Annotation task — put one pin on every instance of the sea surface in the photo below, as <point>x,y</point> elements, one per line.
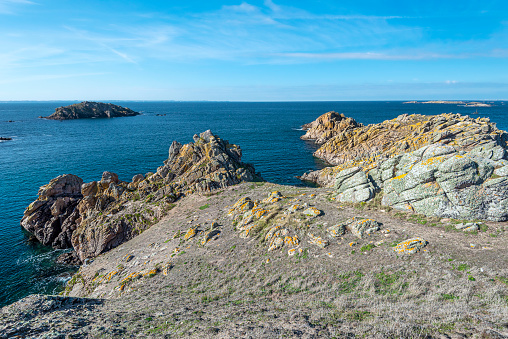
<point>268,134</point>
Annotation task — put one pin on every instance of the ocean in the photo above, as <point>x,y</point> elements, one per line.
<point>268,133</point>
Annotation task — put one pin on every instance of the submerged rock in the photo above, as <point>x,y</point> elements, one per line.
<point>88,109</point>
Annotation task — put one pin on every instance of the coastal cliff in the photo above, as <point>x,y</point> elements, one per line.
<point>89,109</point>
<point>97,216</point>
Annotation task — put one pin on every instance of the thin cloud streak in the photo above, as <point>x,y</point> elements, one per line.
<point>365,56</point>
<point>43,77</point>
<point>6,6</point>
<point>248,34</point>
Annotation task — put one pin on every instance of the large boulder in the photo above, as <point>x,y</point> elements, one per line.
<point>327,126</point>
<point>354,185</point>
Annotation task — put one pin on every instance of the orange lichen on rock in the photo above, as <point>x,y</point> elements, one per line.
<point>312,212</point>
<point>273,197</point>
<point>318,241</point>
<point>410,246</point>
<point>276,243</point>
<point>151,272</point>
<point>291,241</point>
<point>190,233</point>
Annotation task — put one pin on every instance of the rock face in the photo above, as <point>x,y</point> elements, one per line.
<point>97,216</point>
<point>435,180</point>
<point>88,109</point>
<point>327,126</point>
<point>444,166</point>
<point>365,146</point>
<point>51,218</point>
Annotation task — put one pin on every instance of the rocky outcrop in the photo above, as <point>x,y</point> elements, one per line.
<point>365,146</point>
<point>5,139</point>
<point>327,126</point>
<point>97,216</point>
<point>446,166</point>
<point>52,217</point>
<point>435,180</point>
<point>88,109</point>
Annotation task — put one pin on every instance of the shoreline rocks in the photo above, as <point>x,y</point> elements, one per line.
<point>445,166</point>
<point>327,126</point>
<point>366,145</point>
<point>88,109</point>
<point>94,217</point>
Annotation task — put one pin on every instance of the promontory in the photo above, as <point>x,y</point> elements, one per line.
<point>89,109</point>
<point>407,239</point>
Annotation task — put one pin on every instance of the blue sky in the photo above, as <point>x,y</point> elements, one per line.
<point>253,50</point>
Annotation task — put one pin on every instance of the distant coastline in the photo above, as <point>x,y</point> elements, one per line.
<point>460,103</point>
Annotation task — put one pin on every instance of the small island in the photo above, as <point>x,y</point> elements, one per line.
<point>460,103</point>
<point>89,109</point>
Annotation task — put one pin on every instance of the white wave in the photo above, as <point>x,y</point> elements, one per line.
<point>38,258</point>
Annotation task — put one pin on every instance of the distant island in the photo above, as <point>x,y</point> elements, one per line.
<point>89,109</point>
<point>463,103</point>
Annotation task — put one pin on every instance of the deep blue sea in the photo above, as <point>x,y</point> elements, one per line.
<point>268,134</point>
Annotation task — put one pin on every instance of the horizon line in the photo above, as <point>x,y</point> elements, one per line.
<point>247,101</point>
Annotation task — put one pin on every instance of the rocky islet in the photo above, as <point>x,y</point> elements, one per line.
<point>89,110</point>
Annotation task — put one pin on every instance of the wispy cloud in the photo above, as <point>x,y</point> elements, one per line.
<point>42,77</point>
<point>252,34</point>
<point>365,56</point>
<point>7,6</point>
<point>104,42</point>
<point>244,33</point>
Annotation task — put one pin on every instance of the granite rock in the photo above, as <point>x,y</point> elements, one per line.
<point>97,216</point>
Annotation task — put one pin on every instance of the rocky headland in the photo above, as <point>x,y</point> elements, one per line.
<point>446,165</point>
<point>89,109</point>
<point>97,216</point>
<point>204,248</point>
